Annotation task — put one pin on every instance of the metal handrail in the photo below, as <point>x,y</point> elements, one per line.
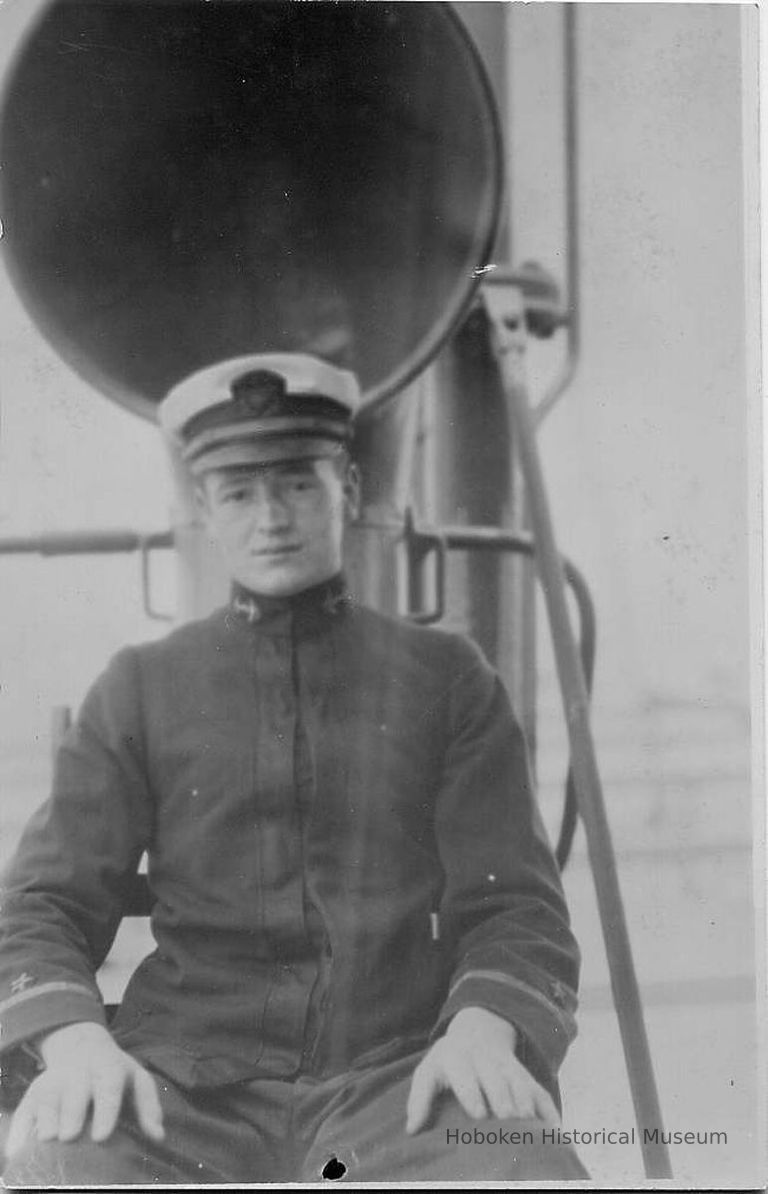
<point>464,538</point>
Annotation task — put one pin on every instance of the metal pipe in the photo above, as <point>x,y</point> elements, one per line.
<point>587,651</point>
<point>61,720</point>
<point>491,539</point>
<point>626,993</point>
<point>72,543</point>
<point>572,321</point>
<point>474,538</point>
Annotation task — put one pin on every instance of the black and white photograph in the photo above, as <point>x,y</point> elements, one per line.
<point>382,689</point>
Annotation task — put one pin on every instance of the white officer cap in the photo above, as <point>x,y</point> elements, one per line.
<point>260,408</point>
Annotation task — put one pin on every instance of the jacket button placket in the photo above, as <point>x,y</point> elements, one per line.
<point>281,852</point>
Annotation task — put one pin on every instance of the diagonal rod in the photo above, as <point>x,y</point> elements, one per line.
<point>626,994</point>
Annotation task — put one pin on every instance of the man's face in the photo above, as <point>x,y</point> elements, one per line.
<point>280,526</point>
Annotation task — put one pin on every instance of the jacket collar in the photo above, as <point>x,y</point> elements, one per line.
<point>309,608</point>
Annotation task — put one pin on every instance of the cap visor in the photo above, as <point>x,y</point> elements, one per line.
<point>269,450</point>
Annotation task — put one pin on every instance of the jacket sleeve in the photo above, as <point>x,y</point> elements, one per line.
<point>62,893</point>
<point>503,911</point>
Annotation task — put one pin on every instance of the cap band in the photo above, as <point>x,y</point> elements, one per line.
<point>264,428</point>
<point>262,452</point>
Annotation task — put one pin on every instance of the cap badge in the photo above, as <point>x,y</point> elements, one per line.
<point>257,392</point>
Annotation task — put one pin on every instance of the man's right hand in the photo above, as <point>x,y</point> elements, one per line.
<point>83,1068</point>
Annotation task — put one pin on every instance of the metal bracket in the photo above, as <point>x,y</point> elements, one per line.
<point>541,301</point>
<point>145,548</point>
<point>419,544</point>
<point>109,542</point>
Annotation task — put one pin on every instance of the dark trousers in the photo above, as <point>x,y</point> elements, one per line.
<point>268,1130</point>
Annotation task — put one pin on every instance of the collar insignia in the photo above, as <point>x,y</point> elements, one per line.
<point>248,607</point>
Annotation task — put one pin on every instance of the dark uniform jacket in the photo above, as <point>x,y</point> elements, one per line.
<point>343,851</point>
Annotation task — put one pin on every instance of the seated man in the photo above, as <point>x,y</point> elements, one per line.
<point>363,950</point>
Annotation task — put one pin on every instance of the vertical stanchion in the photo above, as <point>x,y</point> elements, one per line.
<point>506,312</point>
<point>61,720</point>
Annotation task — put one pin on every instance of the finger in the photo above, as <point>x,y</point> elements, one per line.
<point>464,1083</point>
<point>47,1110</point>
<point>495,1089</point>
<point>74,1103</point>
<point>24,1120</point>
<point>107,1101</point>
<point>425,1084</point>
<point>521,1087</point>
<point>147,1103</point>
<point>545,1107</point>
<point>531,1099</point>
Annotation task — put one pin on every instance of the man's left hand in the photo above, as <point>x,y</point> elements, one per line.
<point>476,1060</point>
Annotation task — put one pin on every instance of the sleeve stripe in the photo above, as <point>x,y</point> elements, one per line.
<point>498,976</point>
<point>45,989</point>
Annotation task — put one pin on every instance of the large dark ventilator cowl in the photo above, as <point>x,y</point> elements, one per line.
<point>188,180</point>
